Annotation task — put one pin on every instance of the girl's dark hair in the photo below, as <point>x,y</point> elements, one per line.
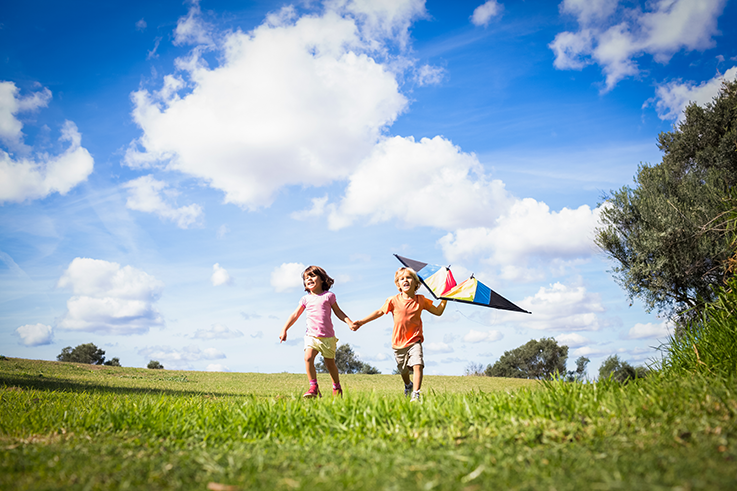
<point>327,281</point>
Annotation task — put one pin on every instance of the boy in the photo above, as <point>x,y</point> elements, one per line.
<point>407,336</point>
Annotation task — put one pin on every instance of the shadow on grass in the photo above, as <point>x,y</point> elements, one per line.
<point>65,385</point>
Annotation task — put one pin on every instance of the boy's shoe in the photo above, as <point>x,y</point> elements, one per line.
<point>416,397</point>
<point>312,393</point>
<point>408,389</point>
<point>338,391</point>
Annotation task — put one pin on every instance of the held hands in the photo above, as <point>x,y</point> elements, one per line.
<point>355,325</point>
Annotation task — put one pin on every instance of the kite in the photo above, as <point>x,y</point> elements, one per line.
<point>442,285</point>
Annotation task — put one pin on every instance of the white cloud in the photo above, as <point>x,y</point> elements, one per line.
<point>220,276</point>
<point>427,183</point>
<point>109,299</point>
<point>141,25</point>
<point>650,331</point>
<point>287,277</point>
<point>145,194</point>
<point>217,331</point>
<point>317,209</point>
<point>614,36</point>
<point>483,14</point>
<point>559,307</point>
<point>280,109</point>
<point>429,75</point>
<point>438,347</point>
<point>217,367</point>
<point>26,179</point>
<point>180,358</point>
<point>380,20</point>
<point>35,334</point>
<point>191,29</point>
<point>572,340</point>
<point>10,105</point>
<point>479,336</point>
<point>672,98</point>
<point>527,230</point>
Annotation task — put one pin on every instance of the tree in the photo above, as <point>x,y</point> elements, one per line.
<point>666,233</point>
<point>347,362</point>
<point>115,362</point>
<point>579,373</point>
<point>474,369</point>
<point>620,370</point>
<point>155,365</point>
<point>84,353</point>
<point>536,360</point>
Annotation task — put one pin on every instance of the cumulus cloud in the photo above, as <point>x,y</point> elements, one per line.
<point>482,336</point>
<point>673,97</point>
<point>35,334</point>
<point>288,276</point>
<point>217,331</point>
<point>429,75</point>
<point>483,14</point>
<point>192,29</point>
<point>561,308</point>
<point>220,276</point>
<point>572,340</point>
<point>527,230</point>
<point>438,347</point>
<point>109,299</point>
<point>217,367</point>
<point>651,331</point>
<point>180,358</point>
<point>150,195</point>
<point>281,108</point>
<point>426,183</point>
<point>614,36</point>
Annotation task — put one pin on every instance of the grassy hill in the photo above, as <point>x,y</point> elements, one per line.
<point>71,426</point>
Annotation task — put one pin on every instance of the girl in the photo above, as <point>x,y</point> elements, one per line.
<point>407,336</point>
<point>320,336</point>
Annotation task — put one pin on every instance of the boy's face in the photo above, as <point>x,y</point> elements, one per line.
<point>406,283</point>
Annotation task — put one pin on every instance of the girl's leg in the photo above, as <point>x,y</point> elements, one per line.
<point>333,370</point>
<point>417,378</point>
<point>310,355</point>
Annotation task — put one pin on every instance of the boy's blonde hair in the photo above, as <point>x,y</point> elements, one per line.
<point>412,273</point>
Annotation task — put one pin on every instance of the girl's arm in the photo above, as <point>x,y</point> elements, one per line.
<point>437,310</point>
<point>341,315</point>
<point>290,322</point>
<point>372,316</point>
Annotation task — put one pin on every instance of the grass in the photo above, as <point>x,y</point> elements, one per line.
<point>75,426</point>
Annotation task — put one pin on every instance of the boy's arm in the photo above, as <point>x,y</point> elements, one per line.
<point>372,316</point>
<point>290,322</point>
<point>437,310</point>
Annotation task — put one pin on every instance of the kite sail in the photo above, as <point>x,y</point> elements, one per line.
<point>441,284</point>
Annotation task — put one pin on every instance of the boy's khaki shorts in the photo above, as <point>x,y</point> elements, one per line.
<point>324,346</point>
<point>409,357</point>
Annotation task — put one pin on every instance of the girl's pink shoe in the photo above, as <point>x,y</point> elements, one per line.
<point>338,391</point>
<point>313,392</point>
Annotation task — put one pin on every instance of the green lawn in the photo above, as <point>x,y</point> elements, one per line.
<point>74,426</point>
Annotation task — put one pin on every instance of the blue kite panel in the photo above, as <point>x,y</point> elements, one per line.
<point>483,294</point>
<point>428,271</point>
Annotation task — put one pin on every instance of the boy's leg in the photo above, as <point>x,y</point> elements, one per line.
<point>417,378</point>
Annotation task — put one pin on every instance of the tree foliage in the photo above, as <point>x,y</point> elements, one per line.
<point>541,359</point>
<point>579,373</point>
<point>620,370</point>
<point>347,362</point>
<point>84,353</point>
<point>666,233</point>
<point>155,365</point>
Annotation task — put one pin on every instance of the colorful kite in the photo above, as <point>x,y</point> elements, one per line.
<point>439,280</point>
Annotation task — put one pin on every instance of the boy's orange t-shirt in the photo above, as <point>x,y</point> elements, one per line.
<point>407,321</point>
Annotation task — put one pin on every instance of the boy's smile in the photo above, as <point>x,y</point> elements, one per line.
<point>406,284</point>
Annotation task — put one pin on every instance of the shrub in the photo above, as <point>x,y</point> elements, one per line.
<point>155,365</point>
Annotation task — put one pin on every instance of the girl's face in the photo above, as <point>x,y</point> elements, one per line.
<point>406,283</point>
<point>313,282</point>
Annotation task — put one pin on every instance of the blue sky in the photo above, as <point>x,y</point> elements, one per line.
<point>168,169</point>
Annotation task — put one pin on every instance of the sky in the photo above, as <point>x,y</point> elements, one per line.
<point>168,169</point>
